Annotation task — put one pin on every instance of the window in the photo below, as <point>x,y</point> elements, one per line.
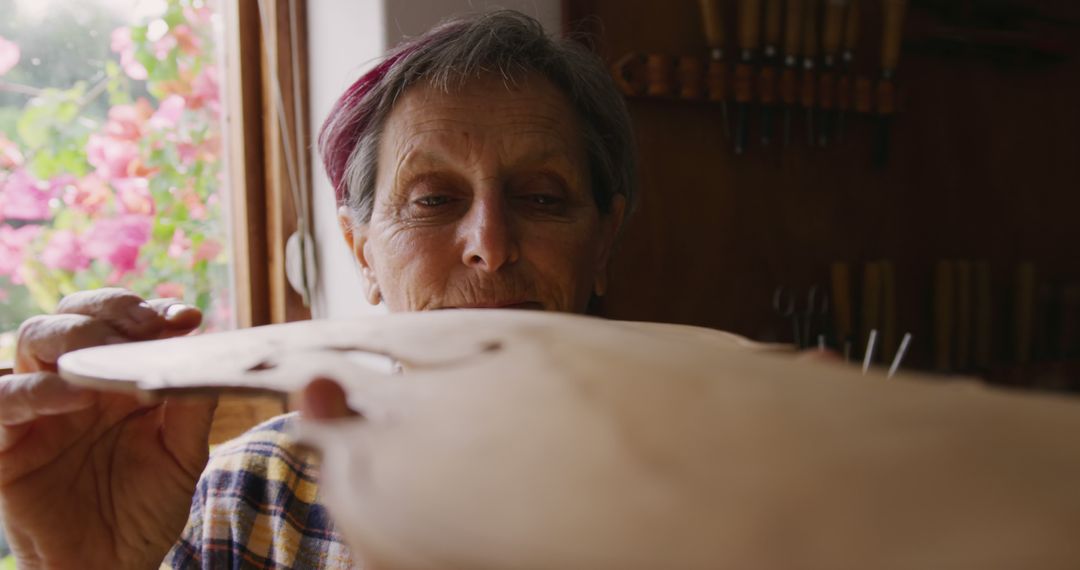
<point>111,155</point>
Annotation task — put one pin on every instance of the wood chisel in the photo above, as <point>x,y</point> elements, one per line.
<point>1023,312</point>
<point>889,341</point>
<point>712,16</point>
<point>809,55</point>
<point>894,12</point>
<point>944,289</point>
<point>982,316</point>
<point>871,301</point>
<point>841,297</point>
<point>749,40</point>
<point>844,83</point>
<point>963,280</point>
<point>770,60</point>
<point>792,45</point>
<point>830,51</point>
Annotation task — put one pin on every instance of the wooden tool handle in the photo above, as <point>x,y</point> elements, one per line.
<point>749,25</point>
<point>841,300</point>
<point>871,301</point>
<point>810,30</point>
<point>894,12</point>
<point>834,27</point>
<point>1024,312</point>
<point>982,315</point>
<point>793,28</point>
<point>943,315</point>
<point>889,341</point>
<point>774,13</point>
<point>851,26</point>
<point>963,315</point>
<point>712,16</point>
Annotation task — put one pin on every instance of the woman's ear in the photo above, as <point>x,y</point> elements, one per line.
<point>610,226</point>
<point>356,238</point>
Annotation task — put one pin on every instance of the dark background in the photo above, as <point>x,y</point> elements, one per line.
<point>984,165</point>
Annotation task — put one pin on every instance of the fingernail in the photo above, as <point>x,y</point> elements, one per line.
<point>142,312</point>
<point>174,310</point>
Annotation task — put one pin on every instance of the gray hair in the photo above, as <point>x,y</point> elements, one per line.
<point>503,42</point>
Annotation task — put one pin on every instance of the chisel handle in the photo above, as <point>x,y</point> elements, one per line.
<point>712,16</point>
<point>834,29</point>
<point>1024,312</point>
<point>893,14</point>
<point>982,313</point>
<point>749,26</point>
<point>851,31</point>
<point>773,15</point>
<point>871,300</point>
<point>943,315</point>
<point>810,32</point>
<point>889,342</point>
<point>841,297</point>
<point>793,30</point>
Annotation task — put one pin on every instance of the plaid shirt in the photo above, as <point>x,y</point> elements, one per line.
<point>257,506</point>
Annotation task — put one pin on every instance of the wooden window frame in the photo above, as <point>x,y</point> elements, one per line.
<point>260,47</point>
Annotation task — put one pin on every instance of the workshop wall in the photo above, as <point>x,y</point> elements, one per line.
<point>983,165</point>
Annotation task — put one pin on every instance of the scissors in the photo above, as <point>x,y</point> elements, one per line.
<point>816,308</point>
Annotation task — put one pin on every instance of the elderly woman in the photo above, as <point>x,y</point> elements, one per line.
<point>482,164</point>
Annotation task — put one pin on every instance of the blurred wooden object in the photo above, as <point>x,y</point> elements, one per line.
<point>574,442</point>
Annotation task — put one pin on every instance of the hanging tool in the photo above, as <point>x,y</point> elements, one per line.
<point>816,311</point>
<point>749,39</point>
<point>712,16</point>
<point>963,315</point>
<point>1024,312</point>
<point>943,315</point>
<point>783,303</point>
<point>830,49</point>
<point>900,353</point>
<point>841,296</point>
<point>888,310</point>
<point>983,310</point>
<point>847,58</point>
<point>770,59</point>
<point>871,298</point>
<point>868,355</point>
<point>809,54</point>
<point>792,44</point>
<point>894,12</point>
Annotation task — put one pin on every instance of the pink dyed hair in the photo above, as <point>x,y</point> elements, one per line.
<point>337,144</point>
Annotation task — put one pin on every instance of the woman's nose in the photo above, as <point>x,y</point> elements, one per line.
<point>488,231</point>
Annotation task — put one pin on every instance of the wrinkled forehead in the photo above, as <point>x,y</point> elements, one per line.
<point>527,111</point>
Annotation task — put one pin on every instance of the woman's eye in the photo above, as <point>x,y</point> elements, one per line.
<point>433,201</point>
<point>544,199</point>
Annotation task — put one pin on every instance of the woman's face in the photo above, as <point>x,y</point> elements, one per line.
<point>483,200</point>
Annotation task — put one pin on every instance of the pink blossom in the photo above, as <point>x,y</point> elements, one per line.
<point>122,44</point>
<point>208,250</point>
<point>199,16</point>
<point>188,41</point>
<point>13,245</point>
<point>134,196</point>
<point>9,55</point>
<point>204,90</point>
<point>23,197</point>
<point>64,252</point>
<point>195,206</point>
<point>88,195</point>
<point>179,245</point>
<point>128,122</point>
<point>169,290</point>
<point>110,157</point>
<point>117,240</point>
<point>10,156</point>
<point>164,46</point>
<point>168,114</point>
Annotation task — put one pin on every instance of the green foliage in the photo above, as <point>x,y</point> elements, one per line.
<point>131,161</point>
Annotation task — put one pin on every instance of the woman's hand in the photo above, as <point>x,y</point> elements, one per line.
<point>91,479</point>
